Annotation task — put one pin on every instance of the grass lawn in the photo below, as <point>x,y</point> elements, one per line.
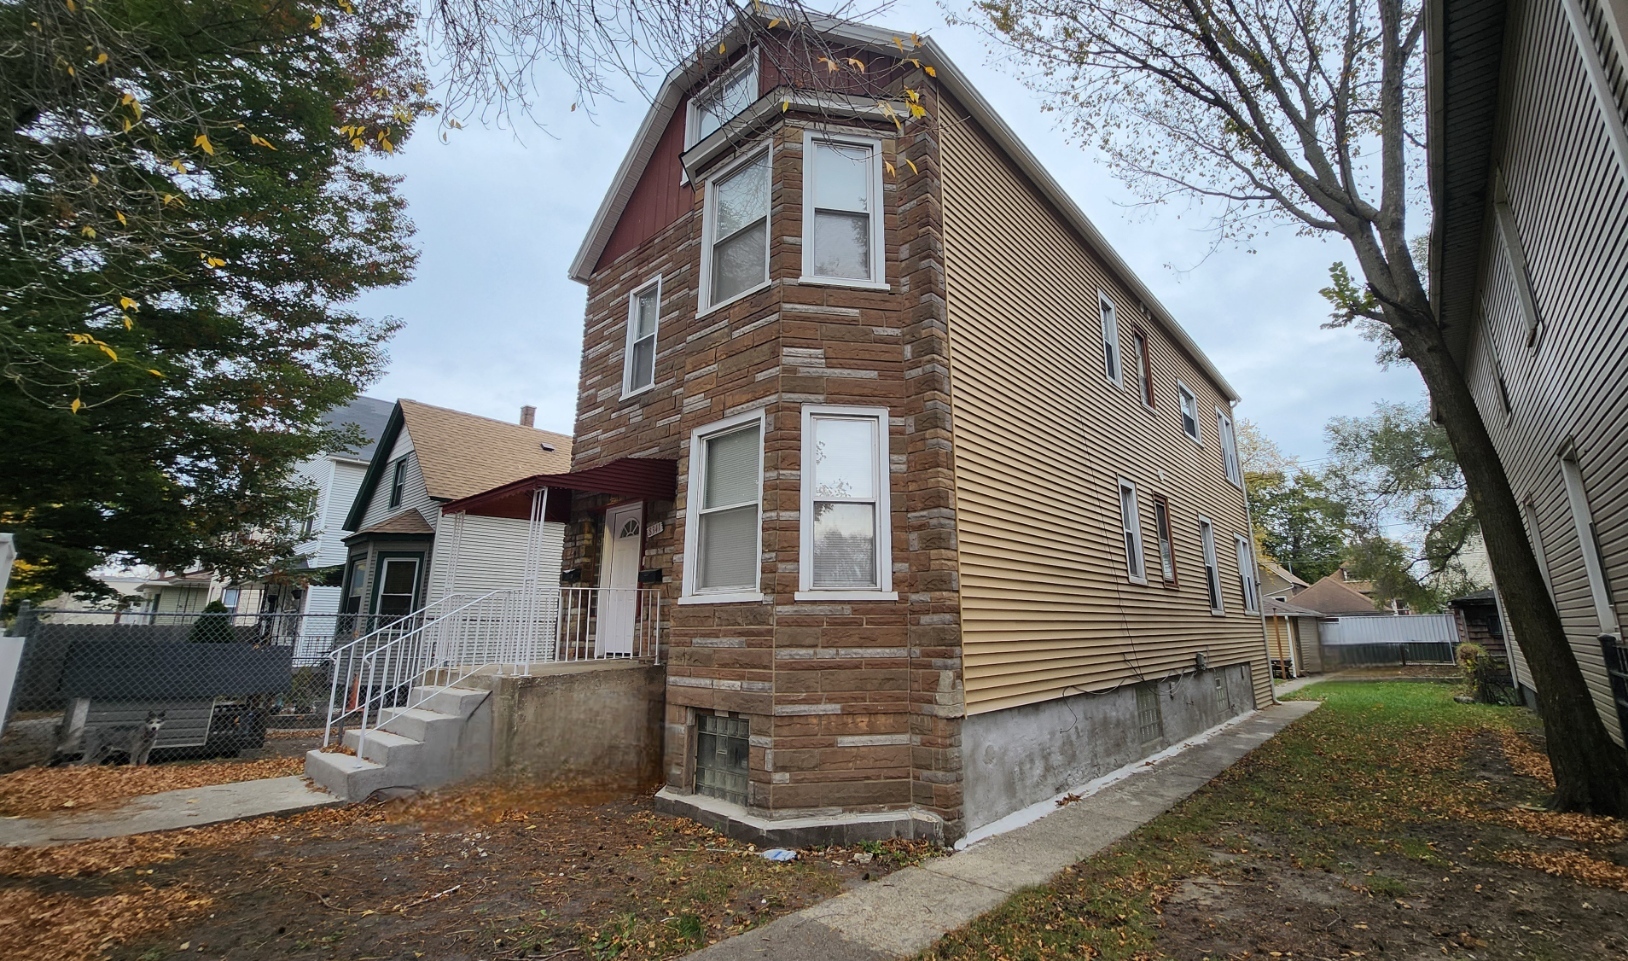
<point>1391,823</point>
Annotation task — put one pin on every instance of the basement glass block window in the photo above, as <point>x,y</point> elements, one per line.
<point>722,746</point>
<point>1149,722</point>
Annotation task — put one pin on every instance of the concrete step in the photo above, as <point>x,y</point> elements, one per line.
<point>351,778</point>
<point>419,724</point>
<point>457,701</point>
<point>383,747</point>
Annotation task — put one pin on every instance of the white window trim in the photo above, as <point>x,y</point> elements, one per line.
<point>627,343</point>
<point>1144,370</point>
<point>884,512</point>
<point>1231,465</point>
<point>692,529</point>
<point>709,216</point>
<point>748,62</point>
<point>1212,564</point>
<point>1183,391</point>
<point>1105,313</point>
<point>1582,518</point>
<point>1140,574</point>
<point>1249,581</point>
<point>878,243</point>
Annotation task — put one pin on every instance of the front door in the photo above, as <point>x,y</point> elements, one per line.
<point>619,579</point>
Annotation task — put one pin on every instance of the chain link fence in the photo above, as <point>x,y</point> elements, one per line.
<point>149,687</point>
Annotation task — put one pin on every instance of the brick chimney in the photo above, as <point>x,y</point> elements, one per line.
<point>528,416</point>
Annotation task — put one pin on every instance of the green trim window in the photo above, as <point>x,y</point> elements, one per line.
<point>398,481</point>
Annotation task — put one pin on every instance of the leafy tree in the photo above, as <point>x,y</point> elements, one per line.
<point>1300,526</point>
<point>188,208</point>
<point>1310,113</point>
<point>1396,468</point>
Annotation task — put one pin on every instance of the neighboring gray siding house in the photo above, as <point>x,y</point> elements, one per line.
<point>1529,268</point>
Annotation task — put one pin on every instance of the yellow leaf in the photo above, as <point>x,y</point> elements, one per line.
<point>70,70</point>
<point>316,22</point>
<point>94,180</point>
<point>386,144</point>
<point>108,351</point>
<point>101,58</point>
<point>915,40</point>
<point>88,231</point>
<point>357,143</point>
<point>930,71</point>
<point>180,167</point>
<point>774,23</point>
<point>915,96</point>
<point>785,105</point>
<point>170,199</point>
<point>125,303</point>
<point>72,7</point>
<point>889,168</point>
<point>212,261</point>
<point>917,110</point>
<point>912,164</point>
<point>126,124</point>
<point>898,43</point>
<point>128,323</point>
<point>202,140</point>
<point>345,6</point>
<point>77,403</point>
<point>857,65</point>
<point>154,372</point>
<point>120,214</point>
<point>260,141</point>
<point>80,338</point>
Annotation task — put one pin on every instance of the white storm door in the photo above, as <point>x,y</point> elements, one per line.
<point>619,580</point>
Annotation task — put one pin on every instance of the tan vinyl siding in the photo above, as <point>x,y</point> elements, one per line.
<point>1041,437</point>
<point>1570,202</point>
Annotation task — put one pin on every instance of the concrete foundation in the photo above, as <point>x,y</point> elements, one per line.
<point>799,831</point>
<point>592,719</point>
<point>1024,755</point>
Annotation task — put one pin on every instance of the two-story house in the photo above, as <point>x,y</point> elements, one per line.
<point>959,521</point>
<point>1529,268</point>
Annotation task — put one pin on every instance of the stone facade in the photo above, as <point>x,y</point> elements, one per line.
<point>853,706</point>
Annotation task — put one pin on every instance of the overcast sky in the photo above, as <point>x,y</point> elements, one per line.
<point>492,322</point>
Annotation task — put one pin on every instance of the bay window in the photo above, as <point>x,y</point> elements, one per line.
<point>842,223</point>
<point>723,538</point>
<point>735,255</point>
<point>845,537</point>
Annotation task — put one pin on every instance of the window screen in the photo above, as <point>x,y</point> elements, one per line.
<point>728,516</point>
<point>740,230</point>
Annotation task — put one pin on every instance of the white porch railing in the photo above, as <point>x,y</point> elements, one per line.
<point>504,632</point>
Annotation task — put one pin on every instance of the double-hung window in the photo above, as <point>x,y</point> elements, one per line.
<point>1167,545</point>
<point>735,256</point>
<point>1144,367</point>
<point>398,481</point>
<point>1229,447</point>
<point>842,219</point>
<point>1248,579</point>
<point>1588,542</point>
<point>724,535</point>
<point>1189,411</point>
<point>845,533</point>
<point>1212,572</point>
<point>723,99</point>
<point>1110,339</point>
<point>639,359</point>
<point>1130,519</point>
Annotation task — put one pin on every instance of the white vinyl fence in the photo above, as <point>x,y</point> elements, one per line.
<point>1382,639</point>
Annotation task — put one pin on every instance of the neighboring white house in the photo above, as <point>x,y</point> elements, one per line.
<point>405,555</point>
<point>312,585</point>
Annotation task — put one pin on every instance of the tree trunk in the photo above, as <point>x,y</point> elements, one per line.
<point>1591,772</point>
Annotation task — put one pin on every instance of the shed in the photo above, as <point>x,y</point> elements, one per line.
<point>1294,638</point>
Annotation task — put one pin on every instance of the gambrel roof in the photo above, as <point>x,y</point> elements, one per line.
<point>686,75</point>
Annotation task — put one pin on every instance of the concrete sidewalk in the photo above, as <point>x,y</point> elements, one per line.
<point>907,911</point>
<point>168,811</point>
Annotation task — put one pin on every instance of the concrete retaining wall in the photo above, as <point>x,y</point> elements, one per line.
<point>1025,755</point>
<point>600,720</point>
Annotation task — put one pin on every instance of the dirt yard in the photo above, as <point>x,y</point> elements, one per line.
<point>498,871</point>
<point>1392,823</point>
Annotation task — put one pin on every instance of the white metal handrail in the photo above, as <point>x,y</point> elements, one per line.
<point>504,632</point>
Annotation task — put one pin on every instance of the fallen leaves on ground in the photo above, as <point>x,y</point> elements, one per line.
<point>61,927</point>
<point>292,733</point>
<point>1525,758</point>
<point>1571,864</point>
<point>38,790</point>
